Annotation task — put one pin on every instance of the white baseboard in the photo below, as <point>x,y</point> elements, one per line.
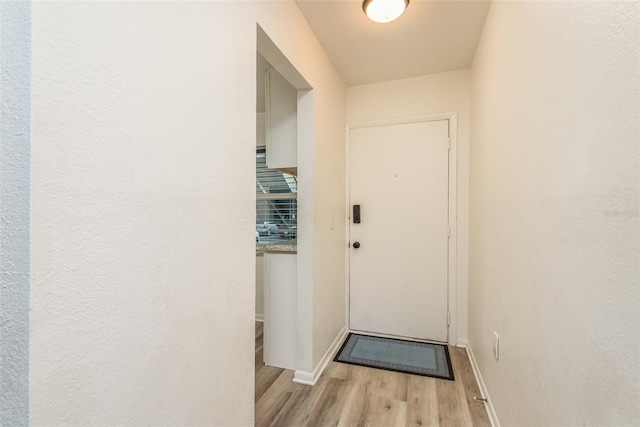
<point>493,418</point>
<point>462,343</point>
<point>259,317</point>
<point>311,378</point>
<point>302,377</point>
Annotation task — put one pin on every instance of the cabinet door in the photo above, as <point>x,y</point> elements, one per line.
<point>280,297</point>
<point>260,287</point>
<point>281,104</point>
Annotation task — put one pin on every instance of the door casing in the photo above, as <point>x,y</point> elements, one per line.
<point>452,117</point>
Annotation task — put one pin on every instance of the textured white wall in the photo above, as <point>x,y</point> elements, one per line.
<point>432,94</point>
<point>15,94</point>
<point>143,156</point>
<point>555,235</point>
<point>329,190</point>
<point>142,174</point>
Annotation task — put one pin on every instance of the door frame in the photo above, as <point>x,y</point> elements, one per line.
<point>452,117</point>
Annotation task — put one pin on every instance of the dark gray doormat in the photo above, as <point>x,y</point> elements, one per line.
<point>409,357</point>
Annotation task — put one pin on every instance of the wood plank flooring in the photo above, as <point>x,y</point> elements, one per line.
<point>349,395</point>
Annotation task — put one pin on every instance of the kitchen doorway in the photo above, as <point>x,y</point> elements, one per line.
<point>292,158</point>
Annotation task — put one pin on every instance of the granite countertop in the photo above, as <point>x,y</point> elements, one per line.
<point>286,247</point>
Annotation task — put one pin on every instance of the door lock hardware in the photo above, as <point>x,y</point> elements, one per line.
<point>356,214</point>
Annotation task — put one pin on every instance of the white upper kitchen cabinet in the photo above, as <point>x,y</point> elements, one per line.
<point>281,103</point>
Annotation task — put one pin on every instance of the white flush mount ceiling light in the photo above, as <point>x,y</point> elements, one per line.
<point>384,11</point>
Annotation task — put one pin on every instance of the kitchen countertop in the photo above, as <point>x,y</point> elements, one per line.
<point>285,247</point>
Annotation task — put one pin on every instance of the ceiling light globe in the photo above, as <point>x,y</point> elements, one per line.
<point>383,11</point>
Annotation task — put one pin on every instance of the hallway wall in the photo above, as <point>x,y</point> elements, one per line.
<point>554,225</point>
<point>321,171</point>
<point>143,178</point>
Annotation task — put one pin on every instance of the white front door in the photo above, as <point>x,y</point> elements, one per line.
<point>399,265</point>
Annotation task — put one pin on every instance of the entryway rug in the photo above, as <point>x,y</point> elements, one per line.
<point>410,357</point>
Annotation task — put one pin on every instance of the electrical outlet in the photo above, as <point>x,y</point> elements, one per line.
<point>496,345</point>
<point>331,224</point>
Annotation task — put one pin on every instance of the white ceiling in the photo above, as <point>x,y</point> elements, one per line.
<point>430,37</point>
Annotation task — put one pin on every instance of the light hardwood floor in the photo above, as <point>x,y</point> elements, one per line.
<point>348,395</point>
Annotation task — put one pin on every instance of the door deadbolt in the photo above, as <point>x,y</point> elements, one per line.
<point>356,245</point>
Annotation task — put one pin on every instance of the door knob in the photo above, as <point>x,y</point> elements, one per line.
<point>356,245</point>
